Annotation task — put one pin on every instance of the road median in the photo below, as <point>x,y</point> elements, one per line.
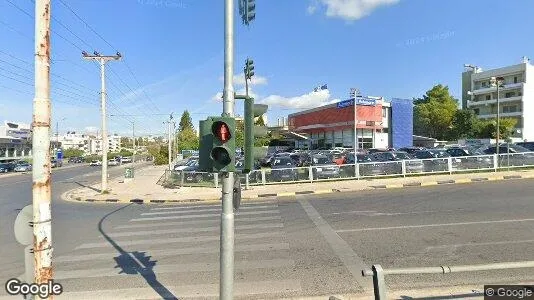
<point>143,189</point>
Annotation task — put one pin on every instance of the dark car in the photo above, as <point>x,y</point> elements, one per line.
<point>253,176</point>
<point>434,160</point>
<point>469,158</point>
<point>192,173</point>
<point>283,168</point>
<point>300,158</point>
<point>512,155</point>
<point>365,165</point>
<point>6,167</point>
<point>527,145</point>
<point>76,160</point>
<point>411,150</point>
<point>392,162</point>
<point>324,167</point>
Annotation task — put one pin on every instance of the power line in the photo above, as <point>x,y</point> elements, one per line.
<point>135,78</point>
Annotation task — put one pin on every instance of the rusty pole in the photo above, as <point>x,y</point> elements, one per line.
<point>41,189</point>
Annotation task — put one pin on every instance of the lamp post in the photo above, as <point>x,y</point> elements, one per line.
<point>497,81</point>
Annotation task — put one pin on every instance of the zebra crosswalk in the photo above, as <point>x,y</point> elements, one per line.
<point>173,252</point>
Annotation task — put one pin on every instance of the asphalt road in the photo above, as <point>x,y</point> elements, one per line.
<point>299,246</point>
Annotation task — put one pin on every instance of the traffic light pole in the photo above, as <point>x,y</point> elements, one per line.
<point>226,286</point>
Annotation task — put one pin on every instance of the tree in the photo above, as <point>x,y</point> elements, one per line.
<point>125,141</point>
<point>68,153</point>
<point>187,139</point>
<point>434,113</point>
<point>486,129</point>
<point>240,134</point>
<point>185,122</point>
<point>464,125</point>
<point>260,121</point>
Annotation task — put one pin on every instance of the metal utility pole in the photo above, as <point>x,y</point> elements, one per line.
<point>226,286</point>
<point>42,187</point>
<point>497,81</point>
<point>133,143</point>
<point>169,139</point>
<point>102,59</point>
<point>356,146</point>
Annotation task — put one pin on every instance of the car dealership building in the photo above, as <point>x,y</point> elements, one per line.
<point>378,123</point>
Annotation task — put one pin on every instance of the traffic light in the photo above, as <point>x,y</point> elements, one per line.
<point>252,111</point>
<point>223,144</point>
<point>205,163</point>
<point>249,68</point>
<point>247,10</point>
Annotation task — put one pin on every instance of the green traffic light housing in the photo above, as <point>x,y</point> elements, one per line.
<point>252,111</point>
<point>247,10</point>
<point>222,154</point>
<point>249,68</point>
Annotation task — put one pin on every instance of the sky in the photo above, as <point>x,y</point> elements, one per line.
<point>173,54</point>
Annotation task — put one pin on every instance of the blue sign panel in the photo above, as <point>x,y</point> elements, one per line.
<point>359,101</point>
<point>60,155</point>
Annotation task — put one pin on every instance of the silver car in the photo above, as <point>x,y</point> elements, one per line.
<point>23,168</point>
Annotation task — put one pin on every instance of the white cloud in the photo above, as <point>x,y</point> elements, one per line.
<point>91,129</point>
<point>240,80</point>
<point>217,97</point>
<point>310,100</point>
<point>350,10</point>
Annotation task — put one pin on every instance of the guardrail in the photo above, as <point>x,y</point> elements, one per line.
<point>378,273</point>
<point>404,168</point>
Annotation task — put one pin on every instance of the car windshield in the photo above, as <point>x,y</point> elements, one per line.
<point>323,160</point>
<point>282,161</point>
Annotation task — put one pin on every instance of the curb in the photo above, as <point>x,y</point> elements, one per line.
<point>66,196</point>
<point>451,181</point>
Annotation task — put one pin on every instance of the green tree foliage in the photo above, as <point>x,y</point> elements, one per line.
<point>240,134</point>
<point>187,139</point>
<point>465,124</point>
<point>260,121</point>
<point>487,129</point>
<point>185,122</point>
<point>68,153</point>
<point>434,113</point>
<point>160,154</point>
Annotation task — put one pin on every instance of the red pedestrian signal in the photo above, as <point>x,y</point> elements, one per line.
<point>221,131</point>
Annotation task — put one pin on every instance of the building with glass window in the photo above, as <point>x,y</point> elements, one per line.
<point>516,96</point>
<point>15,141</point>
<point>378,123</point>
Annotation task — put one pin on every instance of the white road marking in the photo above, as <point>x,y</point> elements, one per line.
<point>372,213</point>
<point>198,222</point>
<point>434,225</point>
<point>203,216</point>
<point>173,268</point>
<point>178,208</point>
<point>176,240</point>
<point>478,244</point>
<point>193,229</point>
<point>173,251</point>
<point>169,212</point>
<point>341,248</point>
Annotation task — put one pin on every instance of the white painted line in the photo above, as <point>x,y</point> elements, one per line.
<point>169,212</point>
<point>176,240</point>
<point>158,253</point>
<point>193,229</point>
<point>479,244</point>
<point>434,225</point>
<point>198,222</point>
<point>173,268</point>
<point>341,248</point>
<point>183,208</point>
<point>204,216</point>
<point>247,288</point>
<point>372,213</point>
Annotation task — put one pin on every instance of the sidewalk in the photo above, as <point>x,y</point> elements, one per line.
<point>143,188</point>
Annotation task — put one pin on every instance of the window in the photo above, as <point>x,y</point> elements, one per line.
<point>370,123</point>
<point>488,97</point>
<point>384,112</point>
<point>515,79</point>
<point>509,95</point>
<point>483,84</point>
<point>385,130</point>
<point>476,111</point>
<point>509,109</point>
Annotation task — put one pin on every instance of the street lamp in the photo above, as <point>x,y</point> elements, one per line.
<point>57,131</point>
<point>496,82</point>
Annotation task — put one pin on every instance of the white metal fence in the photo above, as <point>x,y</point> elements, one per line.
<point>412,167</point>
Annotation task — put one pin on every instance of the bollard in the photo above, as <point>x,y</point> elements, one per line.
<point>263,177</point>
<point>310,174</point>
<point>379,283</point>
<point>403,168</point>
<point>216,179</point>
<point>182,178</point>
<point>247,187</point>
<point>449,165</point>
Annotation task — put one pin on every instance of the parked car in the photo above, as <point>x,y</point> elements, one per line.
<point>283,168</point>
<point>95,163</point>
<point>23,167</point>
<point>434,160</point>
<point>5,168</point>
<point>324,167</point>
<point>192,173</point>
<point>126,160</point>
<point>300,158</point>
<point>469,158</point>
<point>411,150</point>
<point>393,162</point>
<point>527,145</point>
<point>254,175</point>
<point>113,162</point>
<point>75,160</point>
<point>185,165</point>
<point>55,163</point>
<point>512,155</point>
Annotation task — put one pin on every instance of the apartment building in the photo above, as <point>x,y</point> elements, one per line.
<point>516,95</point>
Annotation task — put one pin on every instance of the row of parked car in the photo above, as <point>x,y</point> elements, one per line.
<point>19,166</point>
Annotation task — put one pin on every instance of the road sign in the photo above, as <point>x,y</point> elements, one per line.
<point>22,228</point>
<point>359,101</point>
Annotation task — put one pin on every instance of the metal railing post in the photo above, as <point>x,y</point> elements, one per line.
<point>449,165</point>
<point>263,177</point>
<point>216,180</point>
<point>247,186</point>
<point>310,173</point>
<point>379,283</point>
<point>403,168</point>
<point>182,178</point>
<point>495,162</point>
<point>357,170</point>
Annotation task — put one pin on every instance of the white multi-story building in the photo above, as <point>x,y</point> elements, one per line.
<point>516,96</point>
<point>15,141</point>
<point>73,140</point>
<point>95,144</point>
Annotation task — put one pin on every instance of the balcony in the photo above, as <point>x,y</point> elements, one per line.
<point>502,115</point>
<point>489,89</point>
<point>494,101</point>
